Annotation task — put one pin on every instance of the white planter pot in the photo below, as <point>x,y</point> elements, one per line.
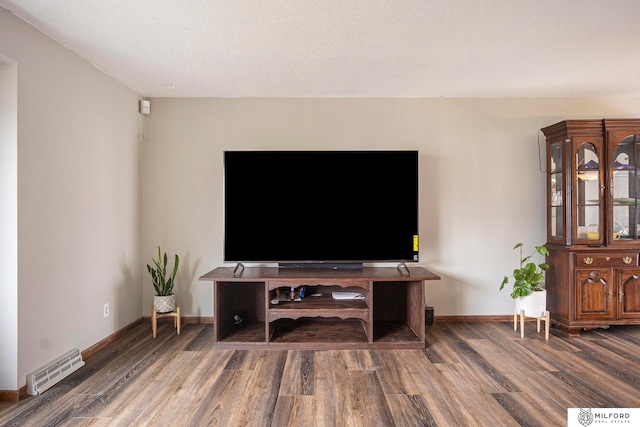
<point>164,304</point>
<point>534,305</point>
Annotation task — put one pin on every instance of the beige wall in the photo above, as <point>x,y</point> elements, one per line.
<point>481,189</point>
<point>8,221</point>
<point>78,194</point>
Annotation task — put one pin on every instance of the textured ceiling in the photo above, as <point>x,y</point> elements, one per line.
<point>352,48</point>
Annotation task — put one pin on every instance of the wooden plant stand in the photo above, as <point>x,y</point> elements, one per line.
<point>155,316</point>
<point>538,319</point>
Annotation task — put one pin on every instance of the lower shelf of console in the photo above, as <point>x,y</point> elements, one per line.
<point>320,334</point>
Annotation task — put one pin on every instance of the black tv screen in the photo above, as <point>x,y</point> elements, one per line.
<point>309,208</point>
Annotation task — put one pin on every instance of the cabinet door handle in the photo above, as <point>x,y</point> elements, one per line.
<point>610,297</point>
<point>627,260</point>
<point>611,187</point>
<point>588,260</point>
<point>621,296</point>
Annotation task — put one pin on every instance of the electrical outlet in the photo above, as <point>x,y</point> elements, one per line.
<point>106,310</point>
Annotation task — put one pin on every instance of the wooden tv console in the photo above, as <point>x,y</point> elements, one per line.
<point>391,313</point>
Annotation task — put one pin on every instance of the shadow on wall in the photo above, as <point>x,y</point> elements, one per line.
<point>429,209</point>
<point>446,295</point>
<point>187,275</point>
<point>124,308</point>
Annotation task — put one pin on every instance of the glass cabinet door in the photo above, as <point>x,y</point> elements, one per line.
<point>625,162</point>
<point>588,193</point>
<point>555,215</point>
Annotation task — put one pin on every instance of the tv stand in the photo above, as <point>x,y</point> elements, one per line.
<point>388,312</point>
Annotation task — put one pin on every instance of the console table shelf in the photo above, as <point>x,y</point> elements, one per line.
<point>390,313</point>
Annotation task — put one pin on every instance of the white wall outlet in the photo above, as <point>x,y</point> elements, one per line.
<point>106,310</point>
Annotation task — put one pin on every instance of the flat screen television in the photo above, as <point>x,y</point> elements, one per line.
<point>309,209</point>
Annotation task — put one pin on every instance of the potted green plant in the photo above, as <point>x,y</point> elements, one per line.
<point>528,283</point>
<point>164,301</point>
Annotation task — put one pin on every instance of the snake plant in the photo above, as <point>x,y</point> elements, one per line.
<point>162,283</point>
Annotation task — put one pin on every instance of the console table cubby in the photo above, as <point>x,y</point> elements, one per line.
<point>390,313</point>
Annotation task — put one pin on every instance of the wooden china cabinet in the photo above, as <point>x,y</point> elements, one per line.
<point>593,223</point>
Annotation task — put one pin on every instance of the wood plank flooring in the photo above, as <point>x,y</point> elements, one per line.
<point>470,374</point>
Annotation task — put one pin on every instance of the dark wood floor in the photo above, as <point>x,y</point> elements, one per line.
<point>471,374</point>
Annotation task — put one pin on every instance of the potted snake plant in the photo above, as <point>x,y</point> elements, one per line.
<point>164,301</point>
<point>528,283</point>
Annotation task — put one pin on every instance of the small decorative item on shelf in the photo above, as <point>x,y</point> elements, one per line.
<point>164,301</point>
<point>239,319</point>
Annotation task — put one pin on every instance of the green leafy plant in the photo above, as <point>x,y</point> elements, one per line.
<point>161,282</point>
<point>530,276</point>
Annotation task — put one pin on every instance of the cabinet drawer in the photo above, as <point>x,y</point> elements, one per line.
<point>607,260</point>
